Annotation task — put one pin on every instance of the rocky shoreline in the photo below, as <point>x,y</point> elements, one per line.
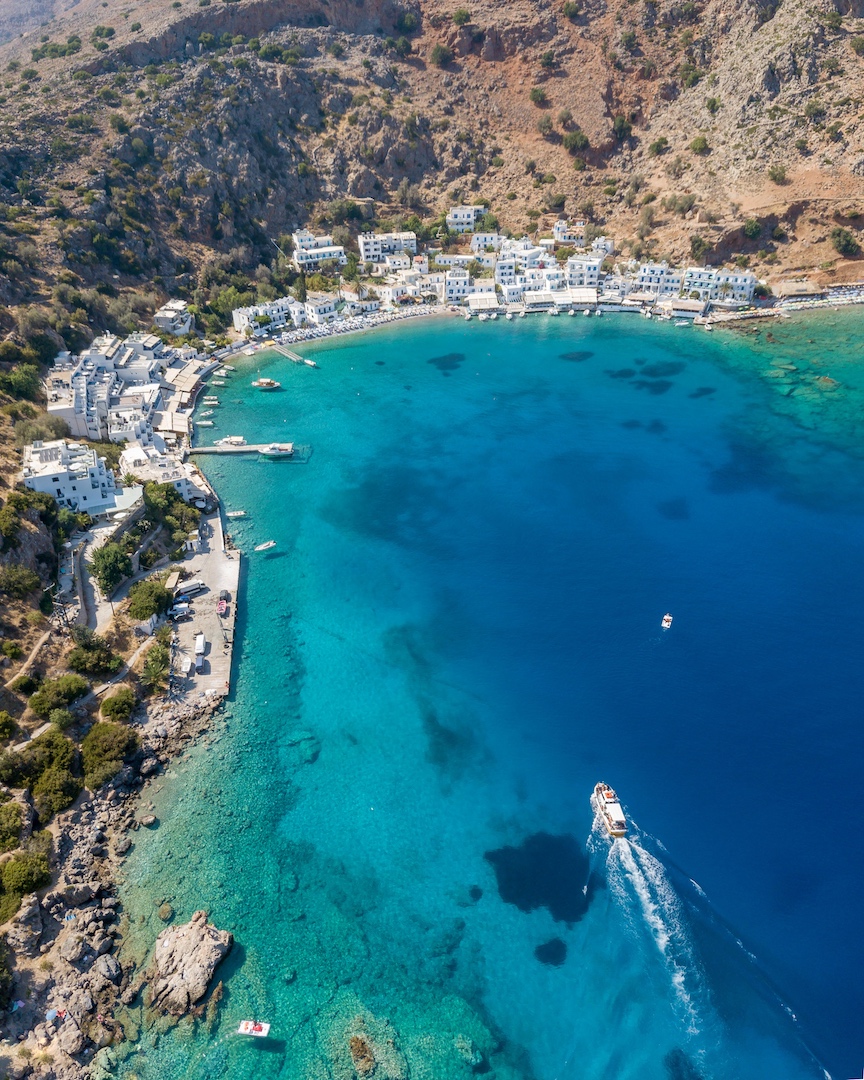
<point>69,986</point>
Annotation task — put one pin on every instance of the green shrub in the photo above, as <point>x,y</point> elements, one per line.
<point>857,44</point>
<point>55,693</point>
<point>538,96</point>
<point>699,247</point>
<point>700,145</point>
<point>18,581</point>
<point>461,16</point>
<point>24,873</point>
<point>629,41</point>
<point>844,242</point>
<point>621,127</point>
<point>7,725</point>
<point>570,9</point>
<point>119,706</point>
<point>155,670</point>
<point>104,750</point>
<point>659,146</point>
<point>497,161</point>
<point>777,174</point>
<point>441,56</point>
<point>815,111</point>
<point>55,790</point>
<point>25,684</point>
<point>690,74</point>
<point>12,650</point>
<point>575,140</point>
<point>545,125</point>
<point>752,228</point>
<point>10,826</point>
<point>92,654</point>
<point>61,718</point>
<point>5,979</point>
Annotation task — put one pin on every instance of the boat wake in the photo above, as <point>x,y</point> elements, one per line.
<point>641,887</point>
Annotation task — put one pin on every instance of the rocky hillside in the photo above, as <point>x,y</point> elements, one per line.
<point>142,148</point>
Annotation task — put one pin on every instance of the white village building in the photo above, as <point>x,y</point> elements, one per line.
<point>175,318</point>
<point>374,246</point>
<point>462,219</point>
<point>71,473</point>
<point>310,250</point>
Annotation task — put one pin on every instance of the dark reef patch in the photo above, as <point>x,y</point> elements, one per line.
<point>631,424</point>
<point>621,373</point>
<point>703,391</point>
<point>545,871</point>
<point>447,363</point>
<point>656,427</point>
<point>653,386</point>
<point>577,356</point>
<point>675,509</point>
<point>449,749</point>
<point>680,1067</point>
<point>552,952</point>
<point>380,363</point>
<point>476,893</point>
<point>663,369</point>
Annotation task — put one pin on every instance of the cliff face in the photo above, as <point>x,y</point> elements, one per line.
<point>176,130</point>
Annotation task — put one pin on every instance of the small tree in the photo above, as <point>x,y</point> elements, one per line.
<point>461,16</point>
<point>155,671</point>
<point>119,706</point>
<point>538,96</point>
<point>777,174</point>
<point>698,249</point>
<point>575,141</point>
<point>147,598</point>
<point>545,126</point>
<point>621,127</point>
<point>658,147</point>
<point>629,41</point>
<point>110,564</point>
<point>752,228</point>
<point>18,581</point>
<point>441,56</point>
<point>300,289</point>
<point>700,145</point>
<point>547,60</point>
<point>844,242</point>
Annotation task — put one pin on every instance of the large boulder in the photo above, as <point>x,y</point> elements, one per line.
<point>26,930</point>
<point>108,968</point>
<point>183,963</point>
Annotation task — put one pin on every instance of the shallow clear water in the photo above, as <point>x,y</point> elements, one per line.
<point>458,635</point>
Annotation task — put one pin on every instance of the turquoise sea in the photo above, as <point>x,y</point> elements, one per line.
<point>457,635</point>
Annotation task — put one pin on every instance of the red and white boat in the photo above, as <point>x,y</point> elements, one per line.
<point>607,807</point>
<point>254,1027</point>
<point>666,621</point>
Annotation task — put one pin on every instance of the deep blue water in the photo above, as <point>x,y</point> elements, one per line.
<point>463,615</point>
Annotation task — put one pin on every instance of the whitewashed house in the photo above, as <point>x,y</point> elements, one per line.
<point>311,251</point>
<point>374,246</point>
<point>263,319</point>
<point>462,219</point>
<point>565,232</point>
<point>150,465</point>
<point>175,318</point>
<point>72,474</point>
<point>485,240</point>
<point>320,308</point>
<point>584,270</point>
<point>732,286</point>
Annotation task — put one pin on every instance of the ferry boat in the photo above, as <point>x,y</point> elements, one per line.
<point>666,621</point>
<point>606,805</point>
<point>263,383</point>
<point>254,1027</point>
<point>266,545</point>
<point>278,450</point>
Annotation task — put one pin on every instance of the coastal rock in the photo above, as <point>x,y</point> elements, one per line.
<point>72,949</point>
<point>108,968</point>
<point>183,963</point>
<point>122,845</point>
<point>70,1038</point>
<point>24,934</point>
<point>148,820</point>
<point>149,766</point>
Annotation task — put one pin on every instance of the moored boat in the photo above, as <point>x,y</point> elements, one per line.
<point>206,423</point>
<point>231,440</point>
<point>254,1027</point>
<point>266,545</point>
<point>263,383</point>
<point>278,450</point>
<point>607,807</point>
<point>235,514</point>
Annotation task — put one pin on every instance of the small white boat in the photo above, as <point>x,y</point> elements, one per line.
<point>494,315</point>
<point>482,316</point>
<point>235,514</point>
<point>309,363</point>
<point>218,382</point>
<point>254,1027</point>
<point>587,311</point>
<point>708,326</point>
<point>263,383</point>
<point>599,313</point>
<point>227,367</point>
<point>666,621</point>
<point>206,423</point>
<point>209,400</point>
<point>521,314</point>
<point>554,311</point>
<point>266,545</point>
<point>231,440</point>
<point>682,322</point>
<point>467,316</point>
<point>206,413</point>
<point>278,450</point>
<point>607,807</point>
<point>572,311</point>
<point>509,316</point>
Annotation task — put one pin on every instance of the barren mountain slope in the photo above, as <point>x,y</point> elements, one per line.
<point>138,140</point>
